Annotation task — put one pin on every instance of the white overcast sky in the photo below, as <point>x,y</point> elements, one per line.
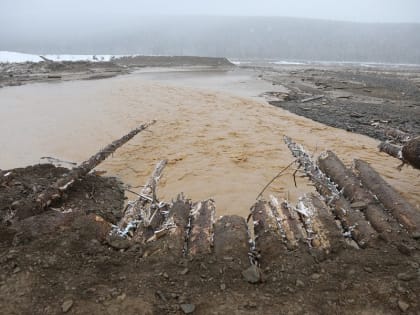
<point>348,10</point>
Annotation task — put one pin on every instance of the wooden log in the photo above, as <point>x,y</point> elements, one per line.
<point>231,240</point>
<point>411,152</point>
<point>143,213</point>
<point>404,212</point>
<point>312,98</point>
<point>201,236</point>
<point>178,224</point>
<point>268,238</point>
<point>397,135</point>
<point>57,189</point>
<point>352,190</point>
<point>290,223</point>
<point>352,220</point>
<point>391,149</point>
<point>322,231</point>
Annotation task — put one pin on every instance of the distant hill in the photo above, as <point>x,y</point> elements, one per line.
<point>232,37</point>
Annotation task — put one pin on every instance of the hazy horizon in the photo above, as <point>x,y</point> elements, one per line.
<point>360,30</point>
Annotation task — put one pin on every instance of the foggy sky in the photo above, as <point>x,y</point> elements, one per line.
<point>16,12</point>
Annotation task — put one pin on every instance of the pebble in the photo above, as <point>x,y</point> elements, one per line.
<point>188,308</point>
<point>121,298</point>
<point>315,276</point>
<point>165,275</point>
<point>223,286</point>
<point>252,274</point>
<point>66,306</point>
<point>299,283</point>
<point>184,271</point>
<point>403,305</point>
<point>368,269</point>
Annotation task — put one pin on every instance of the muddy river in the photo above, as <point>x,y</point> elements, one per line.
<point>222,141</point>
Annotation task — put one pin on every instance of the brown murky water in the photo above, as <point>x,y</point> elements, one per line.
<point>220,142</point>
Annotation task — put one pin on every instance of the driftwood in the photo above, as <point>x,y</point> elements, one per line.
<point>352,190</point>
<point>322,231</point>
<point>231,239</point>
<point>289,222</point>
<point>201,236</point>
<point>352,220</point>
<point>57,189</point>
<point>397,135</point>
<point>411,152</point>
<point>408,153</point>
<point>144,212</point>
<point>267,233</point>
<point>391,149</point>
<point>405,213</point>
<point>313,98</point>
<point>178,224</point>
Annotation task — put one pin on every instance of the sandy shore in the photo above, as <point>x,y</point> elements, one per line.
<point>221,139</point>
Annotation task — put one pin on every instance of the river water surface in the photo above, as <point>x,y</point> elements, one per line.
<point>221,140</point>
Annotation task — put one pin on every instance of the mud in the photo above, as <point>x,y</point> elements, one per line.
<point>58,262</point>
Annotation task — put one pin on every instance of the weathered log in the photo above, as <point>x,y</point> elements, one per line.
<point>408,153</point>
<point>144,213</point>
<point>177,225</point>
<point>391,149</point>
<point>268,237</point>
<point>321,229</point>
<point>352,190</point>
<point>411,152</point>
<point>312,98</point>
<point>404,212</point>
<point>397,135</point>
<point>201,236</point>
<point>352,220</point>
<point>289,222</point>
<point>231,240</point>
<point>57,189</point>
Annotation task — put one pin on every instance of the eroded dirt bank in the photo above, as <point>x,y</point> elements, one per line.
<point>58,262</point>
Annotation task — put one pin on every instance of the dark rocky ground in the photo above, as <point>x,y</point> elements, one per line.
<point>366,101</point>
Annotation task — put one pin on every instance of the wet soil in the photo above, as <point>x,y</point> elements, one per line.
<point>365,101</point>
<point>57,262</point>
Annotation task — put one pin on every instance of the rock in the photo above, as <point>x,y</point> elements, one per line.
<point>299,283</point>
<point>223,286</point>
<point>406,276</point>
<point>121,298</point>
<point>368,269</point>
<point>165,275</point>
<point>184,271</point>
<point>66,306</point>
<point>358,205</point>
<point>119,243</point>
<point>403,305</point>
<point>252,274</point>
<point>315,276</point>
<point>188,308</point>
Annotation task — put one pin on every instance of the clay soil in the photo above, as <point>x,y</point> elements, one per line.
<point>59,258</point>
